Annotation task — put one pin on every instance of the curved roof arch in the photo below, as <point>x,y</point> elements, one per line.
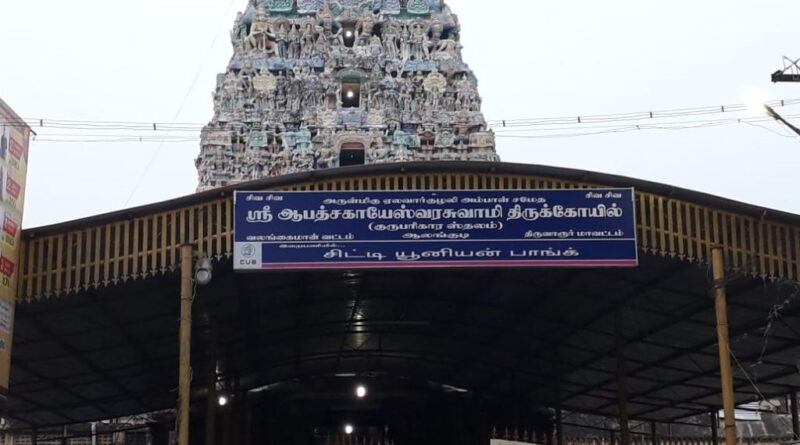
<point>96,335</point>
<point>671,221</point>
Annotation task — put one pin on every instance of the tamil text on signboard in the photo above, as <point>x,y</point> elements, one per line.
<point>402,229</point>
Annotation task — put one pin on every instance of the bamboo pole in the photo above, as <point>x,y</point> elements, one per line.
<point>184,362</point>
<point>720,303</point>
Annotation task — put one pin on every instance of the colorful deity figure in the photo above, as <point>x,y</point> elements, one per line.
<point>418,36</point>
<point>303,143</point>
<point>261,33</point>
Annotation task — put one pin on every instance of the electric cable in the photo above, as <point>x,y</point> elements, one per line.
<point>497,124</point>
<point>177,114</point>
<point>85,131</point>
<point>645,115</point>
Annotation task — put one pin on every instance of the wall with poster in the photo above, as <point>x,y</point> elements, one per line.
<point>14,142</point>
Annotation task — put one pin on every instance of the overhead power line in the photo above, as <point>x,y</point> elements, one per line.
<point>638,116</point>
<point>177,113</point>
<point>91,131</point>
<point>495,123</point>
<point>555,132</point>
<point>538,133</point>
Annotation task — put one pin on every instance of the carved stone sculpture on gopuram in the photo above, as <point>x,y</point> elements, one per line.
<point>317,84</point>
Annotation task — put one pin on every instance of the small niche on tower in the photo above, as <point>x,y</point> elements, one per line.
<point>352,153</point>
<point>349,35</point>
<point>351,95</point>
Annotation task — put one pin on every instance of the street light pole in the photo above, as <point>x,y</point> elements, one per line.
<point>774,114</point>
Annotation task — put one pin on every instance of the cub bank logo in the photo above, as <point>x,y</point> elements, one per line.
<point>260,216</point>
<point>247,256</point>
<point>248,251</point>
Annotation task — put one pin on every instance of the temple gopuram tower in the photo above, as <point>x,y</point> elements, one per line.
<point>317,84</point>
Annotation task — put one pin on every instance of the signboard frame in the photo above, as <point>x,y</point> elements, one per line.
<point>244,250</point>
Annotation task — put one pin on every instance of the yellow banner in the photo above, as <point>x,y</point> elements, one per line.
<point>14,142</point>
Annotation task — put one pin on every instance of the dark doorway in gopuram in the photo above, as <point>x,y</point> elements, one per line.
<point>352,154</point>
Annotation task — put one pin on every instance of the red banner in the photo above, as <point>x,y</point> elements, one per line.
<point>7,267</point>
<point>16,149</point>
<point>13,188</point>
<point>10,227</point>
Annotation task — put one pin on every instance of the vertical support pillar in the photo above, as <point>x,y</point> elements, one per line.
<point>622,391</point>
<point>484,427</point>
<point>793,409</point>
<point>559,420</point>
<point>185,345</point>
<point>653,433</point>
<point>237,407</point>
<point>721,307</point>
<point>212,398</point>
<point>227,419</point>
<point>612,437</point>
<point>714,427</point>
<point>247,435</point>
<point>34,436</point>
<point>559,425</point>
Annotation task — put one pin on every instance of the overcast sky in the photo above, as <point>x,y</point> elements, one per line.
<point>136,61</point>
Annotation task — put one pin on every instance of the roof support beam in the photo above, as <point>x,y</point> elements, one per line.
<point>666,325</point>
<point>715,370</point>
<point>637,291</point>
<point>767,379</point>
<point>92,367</point>
<point>60,387</point>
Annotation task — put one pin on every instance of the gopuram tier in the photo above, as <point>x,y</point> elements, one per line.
<point>318,84</point>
